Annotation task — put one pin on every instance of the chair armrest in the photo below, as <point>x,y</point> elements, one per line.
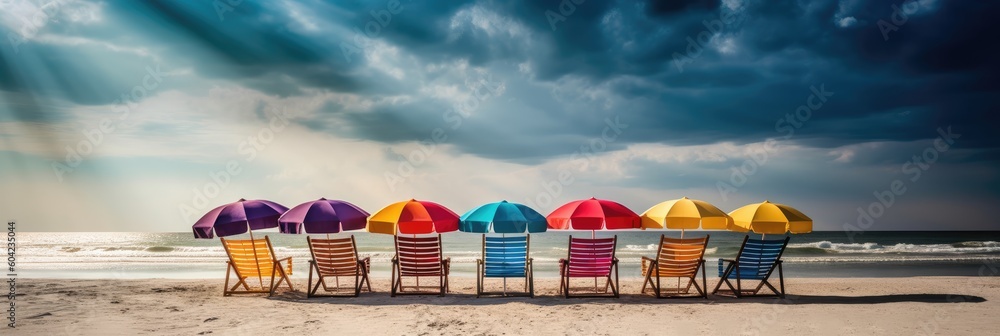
<point>648,258</point>
<point>615,260</point>
<point>731,261</point>
<point>480,262</point>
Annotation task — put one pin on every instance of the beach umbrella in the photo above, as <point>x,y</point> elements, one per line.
<point>323,216</point>
<point>413,217</point>
<point>593,214</point>
<point>239,217</point>
<point>770,218</point>
<point>685,214</point>
<point>502,217</point>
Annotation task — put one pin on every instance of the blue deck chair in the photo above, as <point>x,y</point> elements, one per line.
<point>506,257</point>
<point>756,260</point>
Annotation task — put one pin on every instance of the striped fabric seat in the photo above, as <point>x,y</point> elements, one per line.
<point>677,258</point>
<point>590,258</point>
<point>254,258</point>
<point>756,260</point>
<point>419,257</point>
<point>336,258</point>
<point>505,257</point>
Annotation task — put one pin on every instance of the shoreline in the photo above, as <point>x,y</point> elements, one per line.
<point>950,305</point>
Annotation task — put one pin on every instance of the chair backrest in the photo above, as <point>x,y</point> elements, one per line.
<point>420,256</point>
<point>591,257</point>
<point>334,257</point>
<point>758,256</point>
<point>505,256</point>
<point>680,257</point>
<point>250,258</point>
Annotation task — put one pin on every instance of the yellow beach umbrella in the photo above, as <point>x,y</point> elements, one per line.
<point>770,218</point>
<point>684,214</point>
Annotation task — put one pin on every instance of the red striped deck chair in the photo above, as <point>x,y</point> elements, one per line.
<point>419,257</point>
<point>590,258</point>
<point>336,258</point>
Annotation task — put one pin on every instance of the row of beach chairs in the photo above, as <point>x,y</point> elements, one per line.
<point>337,269</point>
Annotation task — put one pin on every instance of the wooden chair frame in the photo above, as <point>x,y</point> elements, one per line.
<point>564,269</point>
<point>677,267</point>
<point>411,247</point>
<point>278,268</point>
<point>737,290</point>
<point>529,279</point>
<point>325,265</point>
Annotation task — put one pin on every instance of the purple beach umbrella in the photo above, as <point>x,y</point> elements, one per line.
<point>239,217</point>
<point>323,216</point>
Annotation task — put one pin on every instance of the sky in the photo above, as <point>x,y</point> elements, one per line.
<point>144,115</point>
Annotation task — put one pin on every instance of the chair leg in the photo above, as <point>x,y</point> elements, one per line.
<point>392,291</point>
<point>271,284</point>
<point>225,287</point>
<point>781,280</point>
<point>704,280</point>
<point>309,291</point>
<point>615,287</point>
<point>531,281</point>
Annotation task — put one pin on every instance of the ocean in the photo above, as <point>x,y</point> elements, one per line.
<point>818,254</point>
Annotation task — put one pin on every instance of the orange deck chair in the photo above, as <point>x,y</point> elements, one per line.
<point>677,258</point>
<point>255,258</point>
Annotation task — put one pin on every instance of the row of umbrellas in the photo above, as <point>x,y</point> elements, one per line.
<point>413,217</point>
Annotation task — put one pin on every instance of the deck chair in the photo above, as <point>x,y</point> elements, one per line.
<point>417,258</point>
<point>681,259</point>
<point>336,258</point>
<point>756,260</point>
<point>505,257</point>
<point>255,258</point>
<point>590,258</point>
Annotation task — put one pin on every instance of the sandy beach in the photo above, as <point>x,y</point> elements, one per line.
<point>815,306</point>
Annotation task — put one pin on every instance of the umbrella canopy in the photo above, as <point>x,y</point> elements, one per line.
<point>593,214</point>
<point>323,216</point>
<point>238,218</point>
<point>413,217</point>
<point>770,218</point>
<point>685,214</point>
<point>502,217</point>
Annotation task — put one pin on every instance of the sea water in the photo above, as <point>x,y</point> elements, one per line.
<point>818,254</point>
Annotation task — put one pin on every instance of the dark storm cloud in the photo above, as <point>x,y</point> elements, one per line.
<point>934,70</point>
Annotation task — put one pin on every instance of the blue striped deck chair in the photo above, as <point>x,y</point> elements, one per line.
<point>506,257</point>
<point>756,261</point>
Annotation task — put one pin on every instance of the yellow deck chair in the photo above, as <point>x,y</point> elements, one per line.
<point>254,258</point>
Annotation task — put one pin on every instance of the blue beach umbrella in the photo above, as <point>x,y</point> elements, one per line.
<point>502,217</point>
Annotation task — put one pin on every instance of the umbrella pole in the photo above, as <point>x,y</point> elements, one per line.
<point>593,235</point>
<point>678,279</point>
<point>504,235</point>
<point>253,245</point>
<point>418,277</point>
